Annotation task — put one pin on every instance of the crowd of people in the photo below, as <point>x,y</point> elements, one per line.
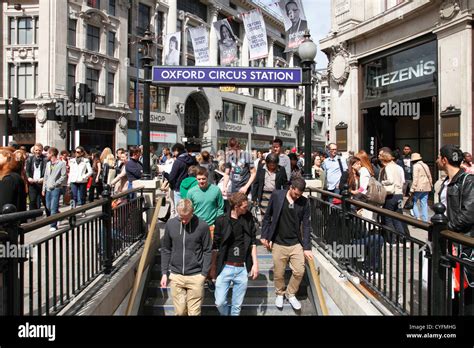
<point>211,235</point>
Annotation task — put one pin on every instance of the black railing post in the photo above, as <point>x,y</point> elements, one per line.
<point>438,289</point>
<point>14,300</point>
<point>346,209</point>
<point>107,235</point>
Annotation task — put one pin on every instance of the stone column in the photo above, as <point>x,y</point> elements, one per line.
<point>171,17</point>
<point>355,130</point>
<point>270,92</point>
<point>213,45</point>
<point>244,58</point>
<point>290,92</point>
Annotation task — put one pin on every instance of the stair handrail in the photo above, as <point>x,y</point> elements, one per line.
<point>146,257</point>
<point>314,275</point>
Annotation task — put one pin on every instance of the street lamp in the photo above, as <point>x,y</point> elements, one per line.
<point>147,45</point>
<point>307,53</point>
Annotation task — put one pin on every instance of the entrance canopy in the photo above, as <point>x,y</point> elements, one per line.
<point>227,76</point>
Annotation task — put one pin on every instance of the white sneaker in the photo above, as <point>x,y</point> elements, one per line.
<point>294,302</point>
<point>53,229</point>
<point>279,301</point>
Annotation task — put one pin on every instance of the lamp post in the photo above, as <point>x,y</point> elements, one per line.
<point>307,53</point>
<point>147,44</point>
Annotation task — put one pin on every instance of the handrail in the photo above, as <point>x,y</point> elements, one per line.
<point>458,238</point>
<point>145,258</point>
<point>62,216</point>
<point>16,216</point>
<point>407,219</point>
<point>317,284</point>
<point>125,193</point>
<point>323,192</point>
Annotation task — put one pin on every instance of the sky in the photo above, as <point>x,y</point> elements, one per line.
<point>318,15</point>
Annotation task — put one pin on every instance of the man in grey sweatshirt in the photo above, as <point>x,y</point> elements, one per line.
<point>186,253</point>
<point>54,178</point>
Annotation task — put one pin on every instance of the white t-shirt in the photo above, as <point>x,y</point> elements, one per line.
<point>444,195</point>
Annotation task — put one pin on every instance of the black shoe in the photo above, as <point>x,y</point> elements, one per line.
<point>210,285</point>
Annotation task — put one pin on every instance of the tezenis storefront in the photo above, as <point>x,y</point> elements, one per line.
<point>399,99</point>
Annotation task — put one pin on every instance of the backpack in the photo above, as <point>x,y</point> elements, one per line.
<point>376,193</point>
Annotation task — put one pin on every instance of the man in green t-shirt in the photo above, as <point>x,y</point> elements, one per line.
<point>207,199</point>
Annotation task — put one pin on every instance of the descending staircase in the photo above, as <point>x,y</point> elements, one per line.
<point>259,298</point>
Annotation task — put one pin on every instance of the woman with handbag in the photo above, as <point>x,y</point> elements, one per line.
<point>392,181</point>
<point>421,186</point>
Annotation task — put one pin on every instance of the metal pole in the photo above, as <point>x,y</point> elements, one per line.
<point>7,110</point>
<point>137,99</point>
<point>146,123</point>
<point>307,119</point>
<point>439,263</point>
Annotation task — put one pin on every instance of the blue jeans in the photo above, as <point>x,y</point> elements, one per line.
<point>392,203</point>
<point>423,198</point>
<point>177,198</point>
<point>130,187</point>
<point>52,202</point>
<point>79,193</point>
<point>237,276</point>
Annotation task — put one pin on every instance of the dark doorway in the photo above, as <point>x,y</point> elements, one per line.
<point>195,116</point>
<point>396,131</point>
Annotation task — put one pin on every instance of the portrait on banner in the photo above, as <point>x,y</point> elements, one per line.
<point>172,48</point>
<point>295,22</point>
<point>228,48</point>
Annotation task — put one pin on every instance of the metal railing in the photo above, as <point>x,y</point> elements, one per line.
<point>63,263</point>
<point>409,275</point>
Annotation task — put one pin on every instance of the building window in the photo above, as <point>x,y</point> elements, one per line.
<point>93,3</point>
<point>110,88</point>
<point>26,81</point>
<point>25,31</point>
<point>11,80</point>
<point>159,56</point>
<point>159,98</point>
<point>36,29</point>
<point>71,79</point>
<point>143,18</point>
<point>283,121</point>
<point>12,36</point>
<point>93,38</point>
<point>112,7</point>
<point>279,51</point>
<point>280,96</point>
<point>195,7</point>
<point>111,44</point>
<point>92,79</point>
<point>233,112</point>
<point>159,27</point>
<point>318,128</point>
<point>71,32</point>
<point>261,117</point>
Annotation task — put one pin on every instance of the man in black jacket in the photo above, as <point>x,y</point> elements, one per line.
<point>179,171</point>
<point>234,254</point>
<point>457,194</point>
<point>288,215</point>
<point>186,254</point>
<point>35,167</point>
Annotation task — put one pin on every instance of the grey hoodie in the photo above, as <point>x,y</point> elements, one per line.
<point>54,177</point>
<point>186,250</point>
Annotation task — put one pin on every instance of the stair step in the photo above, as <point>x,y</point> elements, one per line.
<point>246,310</point>
<point>254,289</point>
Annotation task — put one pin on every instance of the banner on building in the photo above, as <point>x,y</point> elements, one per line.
<point>256,34</point>
<point>295,22</point>
<point>227,42</point>
<point>172,48</point>
<point>200,40</point>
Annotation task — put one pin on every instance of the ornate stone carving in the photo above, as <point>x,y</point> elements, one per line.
<point>41,115</point>
<point>338,66</point>
<point>449,9</point>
